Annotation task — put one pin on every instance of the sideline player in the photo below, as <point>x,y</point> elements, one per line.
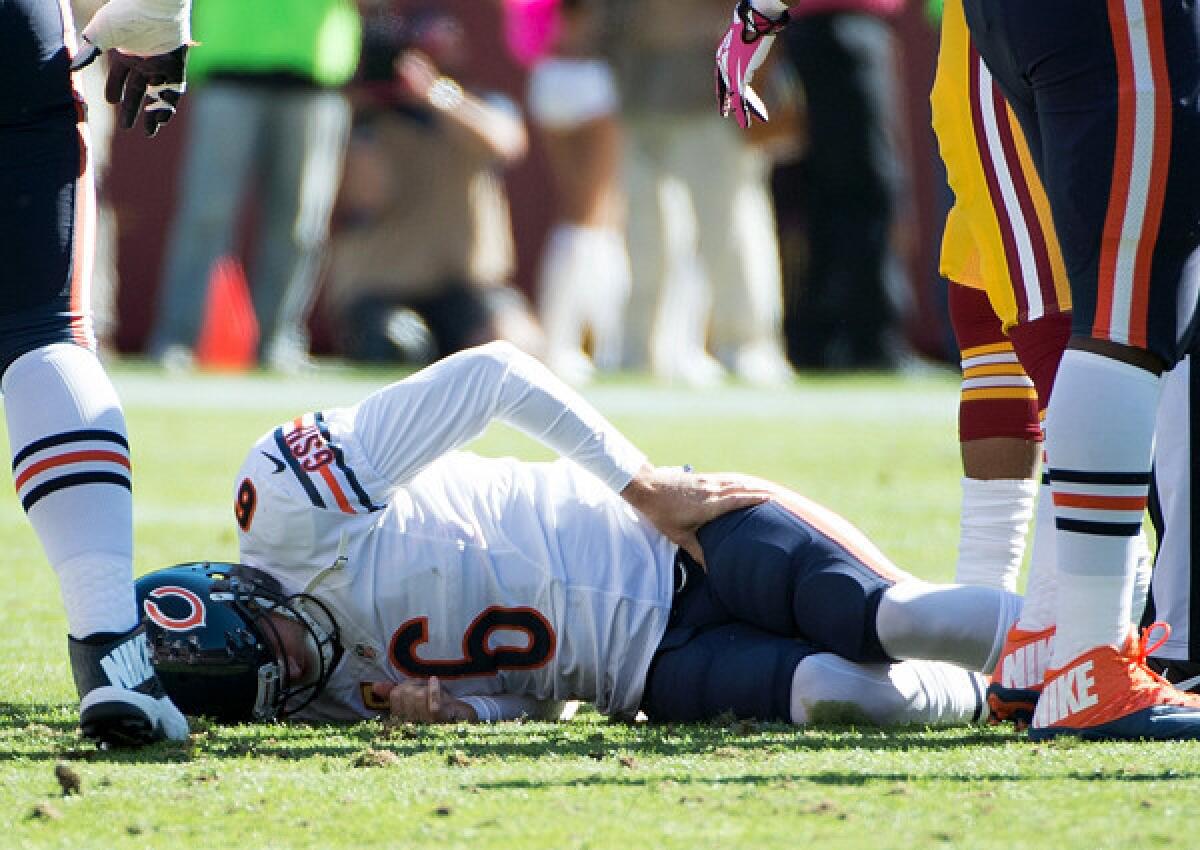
<point>1097,101</point>
<point>480,588</point>
<point>585,277</point>
<point>65,424</point>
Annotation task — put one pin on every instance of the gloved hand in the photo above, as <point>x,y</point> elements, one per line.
<point>147,42</point>
<point>739,55</point>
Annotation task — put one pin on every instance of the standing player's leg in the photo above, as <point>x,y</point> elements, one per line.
<point>67,430</point>
<point>999,241</point>
<point>1175,584</point>
<point>307,132</point>
<point>1000,238</point>
<point>65,425</point>
<point>1037,347</point>
<point>1125,241</point>
<point>1007,304</point>
<point>999,437</point>
<point>649,234</point>
<point>223,135</point>
<point>1020,672</point>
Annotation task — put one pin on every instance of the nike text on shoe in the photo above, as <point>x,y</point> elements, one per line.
<point>122,703</point>
<point>1017,681</point>
<point>1110,694</point>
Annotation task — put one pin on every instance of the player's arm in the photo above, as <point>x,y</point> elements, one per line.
<point>408,425</point>
<point>497,133</point>
<point>405,427</point>
<point>741,52</point>
<point>500,707</point>
<point>425,701</point>
<point>147,41</point>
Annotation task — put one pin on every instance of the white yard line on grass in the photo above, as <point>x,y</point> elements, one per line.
<point>203,515</point>
<point>907,399</point>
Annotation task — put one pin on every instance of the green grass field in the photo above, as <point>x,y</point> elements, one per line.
<point>880,450</point>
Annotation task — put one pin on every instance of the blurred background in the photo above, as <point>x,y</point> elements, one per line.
<point>385,182</point>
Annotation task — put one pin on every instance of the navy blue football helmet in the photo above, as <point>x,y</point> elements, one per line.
<point>216,650</point>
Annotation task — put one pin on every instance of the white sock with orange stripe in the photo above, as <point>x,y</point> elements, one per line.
<point>71,470</point>
<point>1100,436</point>
<point>1041,589</point>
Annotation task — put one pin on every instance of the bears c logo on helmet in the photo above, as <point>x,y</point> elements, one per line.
<point>195,615</point>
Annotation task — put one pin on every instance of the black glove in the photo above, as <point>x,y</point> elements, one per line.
<point>147,43</point>
<point>152,85</point>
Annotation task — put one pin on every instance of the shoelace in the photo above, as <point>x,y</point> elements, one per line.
<point>1144,648</point>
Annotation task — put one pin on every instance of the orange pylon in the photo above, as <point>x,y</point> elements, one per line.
<point>229,334</point>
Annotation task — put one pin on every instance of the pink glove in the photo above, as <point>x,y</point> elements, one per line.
<point>739,55</point>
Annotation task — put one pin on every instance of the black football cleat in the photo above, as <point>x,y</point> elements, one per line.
<point>122,703</point>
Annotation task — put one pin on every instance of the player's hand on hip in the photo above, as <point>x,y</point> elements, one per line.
<point>423,701</point>
<point>678,502</point>
<point>147,42</point>
<point>740,53</point>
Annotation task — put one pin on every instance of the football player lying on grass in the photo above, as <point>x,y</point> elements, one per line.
<point>385,572</point>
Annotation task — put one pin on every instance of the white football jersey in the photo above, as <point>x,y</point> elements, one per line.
<point>534,580</point>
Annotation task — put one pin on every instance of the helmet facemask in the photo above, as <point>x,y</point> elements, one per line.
<point>256,596</point>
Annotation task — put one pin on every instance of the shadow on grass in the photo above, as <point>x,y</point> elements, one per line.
<point>49,732</point>
<point>593,739</point>
<point>824,778</point>
<point>49,715</point>
<point>663,741</point>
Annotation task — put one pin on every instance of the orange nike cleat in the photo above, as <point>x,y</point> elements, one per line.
<point>1110,694</point>
<point>1017,681</point>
